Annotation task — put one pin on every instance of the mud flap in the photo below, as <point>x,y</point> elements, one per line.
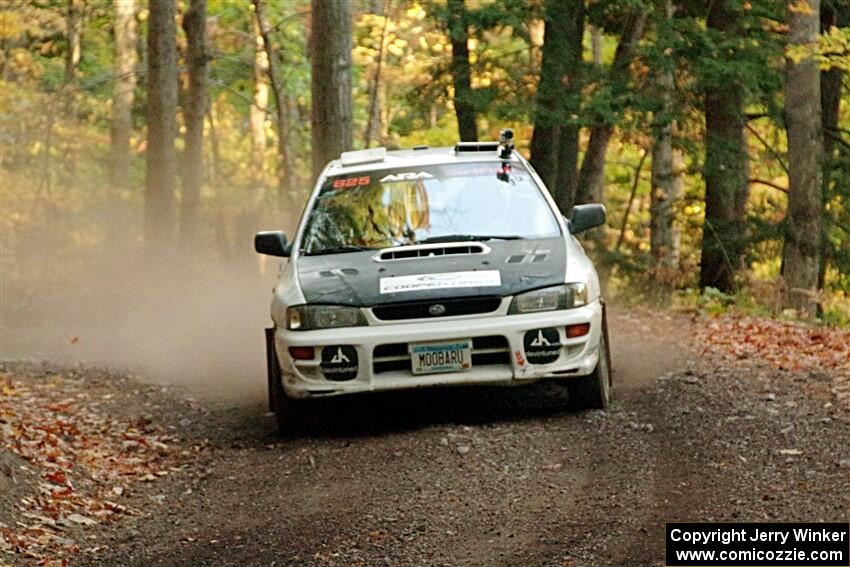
<point>273,371</point>
<point>607,342</point>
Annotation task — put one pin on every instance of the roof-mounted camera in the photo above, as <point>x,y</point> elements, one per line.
<point>506,143</point>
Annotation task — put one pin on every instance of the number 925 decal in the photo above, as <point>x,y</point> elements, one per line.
<point>351,182</point>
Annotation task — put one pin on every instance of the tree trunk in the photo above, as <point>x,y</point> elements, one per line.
<point>330,81</point>
<point>805,148</point>
<point>554,144</point>
<point>74,29</point>
<point>117,214</point>
<point>566,166</point>
<point>162,128</point>
<point>726,169</point>
<point>667,185</point>
<point>373,113</point>
<point>635,183</point>
<point>74,23</point>
<point>830,96</point>
<point>544,147</point>
<point>47,162</point>
<point>596,45</point>
<point>566,178</point>
<point>667,189</point>
<point>461,73</point>
<point>547,115</point>
<point>215,159</point>
<point>123,91</point>
<point>197,60</point>
<point>285,174</point>
<point>258,111</point>
<point>591,178</point>
<point>663,196</point>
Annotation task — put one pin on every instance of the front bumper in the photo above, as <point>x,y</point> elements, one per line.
<point>502,352</point>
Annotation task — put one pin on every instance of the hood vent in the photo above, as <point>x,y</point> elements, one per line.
<point>526,258</point>
<point>429,250</point>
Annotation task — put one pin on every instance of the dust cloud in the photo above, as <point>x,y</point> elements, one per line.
<point>645,344</point>
<point>194,320</point>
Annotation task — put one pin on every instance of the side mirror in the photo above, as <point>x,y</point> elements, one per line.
<point>272,243</point>
<point>585,217</point>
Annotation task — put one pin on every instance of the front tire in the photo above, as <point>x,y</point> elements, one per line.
<point>594,390</point>
<point>292,416</point>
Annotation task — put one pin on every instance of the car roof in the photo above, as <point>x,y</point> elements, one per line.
<point>397,159</point>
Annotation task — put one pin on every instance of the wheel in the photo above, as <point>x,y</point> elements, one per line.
<point>292,416</point>
<point>594,390</point>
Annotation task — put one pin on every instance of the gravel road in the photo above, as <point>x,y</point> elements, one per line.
<point>492,476</point>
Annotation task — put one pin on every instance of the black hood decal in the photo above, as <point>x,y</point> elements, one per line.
<point>355,278</point>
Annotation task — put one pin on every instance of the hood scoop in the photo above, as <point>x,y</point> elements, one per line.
<point>431,250</point>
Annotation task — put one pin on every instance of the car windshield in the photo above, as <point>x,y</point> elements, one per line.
<point>434,203</point>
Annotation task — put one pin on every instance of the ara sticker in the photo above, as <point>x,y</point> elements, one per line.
<point>407,176</point>
<point>351,182</point>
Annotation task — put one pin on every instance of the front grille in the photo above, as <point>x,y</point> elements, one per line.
<point>391,366</point>
<point>486,351</point>
<point>422,309</point>
<point>393,349</point>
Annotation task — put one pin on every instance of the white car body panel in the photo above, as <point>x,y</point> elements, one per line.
<point>578,356</point>
<point>303,379</point>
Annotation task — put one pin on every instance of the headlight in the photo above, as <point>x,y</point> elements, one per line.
<point>310,317</point>
<point>564,296</point>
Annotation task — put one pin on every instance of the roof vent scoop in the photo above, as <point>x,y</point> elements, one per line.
<point>474,147</point>
<point>363,156</point>
<point>504,147</point>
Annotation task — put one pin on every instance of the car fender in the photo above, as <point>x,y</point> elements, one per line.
<point>580,269</point>
<point>287,292</point>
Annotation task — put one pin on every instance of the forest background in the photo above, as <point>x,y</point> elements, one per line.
<point>143,143</point>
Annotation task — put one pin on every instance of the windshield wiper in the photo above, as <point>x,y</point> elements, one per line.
<point>340,250</point>
<point>466,238</point>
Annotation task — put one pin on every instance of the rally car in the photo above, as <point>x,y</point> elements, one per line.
<point>434,267</point>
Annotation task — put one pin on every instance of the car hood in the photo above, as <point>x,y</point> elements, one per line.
<point>358,279</point>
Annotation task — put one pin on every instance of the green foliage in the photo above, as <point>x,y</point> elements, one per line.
<point>832,51</point>
<point>711,301</point>
<point>836,316</point>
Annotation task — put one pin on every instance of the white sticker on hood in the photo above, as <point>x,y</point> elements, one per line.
<point>482,278</point>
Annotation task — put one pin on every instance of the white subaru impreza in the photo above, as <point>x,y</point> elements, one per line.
<point>434,267</point>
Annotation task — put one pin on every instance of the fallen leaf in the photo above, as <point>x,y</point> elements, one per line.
<point>80,519</point>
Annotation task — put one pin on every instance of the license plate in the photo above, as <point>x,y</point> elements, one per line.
<point>448,356</point>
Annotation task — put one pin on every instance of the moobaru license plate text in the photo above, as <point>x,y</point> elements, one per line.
<point>440,357</point>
